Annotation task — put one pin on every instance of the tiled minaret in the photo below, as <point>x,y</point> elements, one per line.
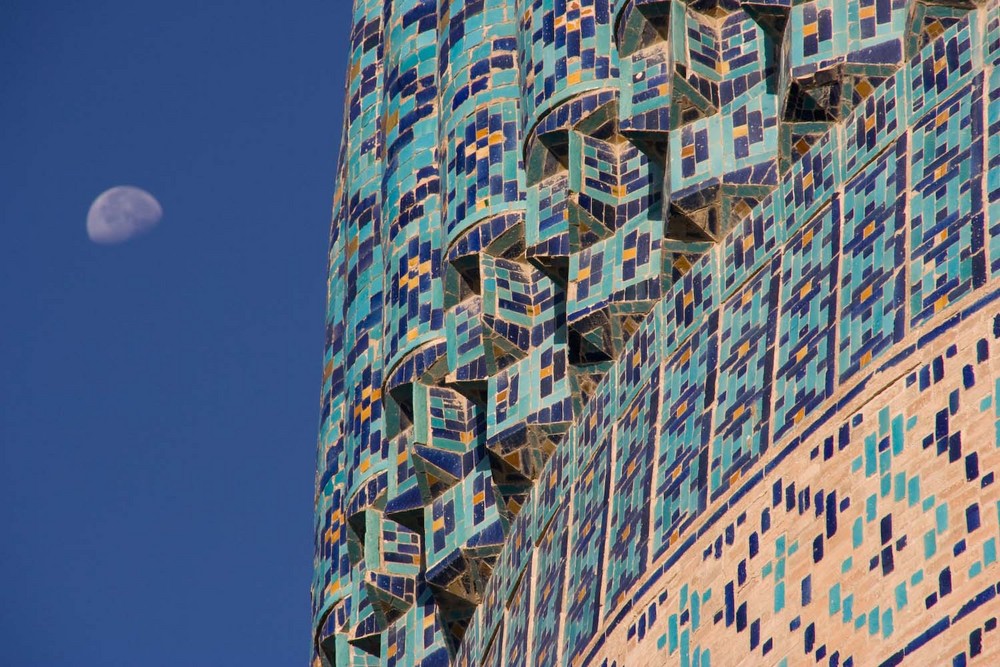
<point>663,332</point>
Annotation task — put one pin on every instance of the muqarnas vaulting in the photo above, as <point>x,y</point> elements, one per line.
<point>663,332</point>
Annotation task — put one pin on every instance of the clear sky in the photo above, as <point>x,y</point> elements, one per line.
<point>159,399</point>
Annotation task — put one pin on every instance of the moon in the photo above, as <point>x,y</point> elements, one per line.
<point>121,213</point>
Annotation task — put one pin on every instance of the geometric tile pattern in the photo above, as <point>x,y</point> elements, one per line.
<point>663,332</point>
<point>635,437</point>
<point>746,356</point>
<point>585,567</point>
<point>872,285</point>
<point>946,232</point>
<point>805,356</point>
<point>680,481</point>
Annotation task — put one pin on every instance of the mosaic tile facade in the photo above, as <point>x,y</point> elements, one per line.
<point>663,332</point>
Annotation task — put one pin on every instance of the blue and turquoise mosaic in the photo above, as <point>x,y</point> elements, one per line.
<point>663,332</point>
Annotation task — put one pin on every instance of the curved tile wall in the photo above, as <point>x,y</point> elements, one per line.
<point>411,183</point>
<point>480,129</point>
<point>353,324</point>
<point>663,332</point>
<point>565,48</point>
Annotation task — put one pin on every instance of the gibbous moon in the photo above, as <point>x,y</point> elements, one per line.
<point>121,213</point>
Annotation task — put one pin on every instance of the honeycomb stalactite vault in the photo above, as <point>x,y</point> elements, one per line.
<point>663,332</point>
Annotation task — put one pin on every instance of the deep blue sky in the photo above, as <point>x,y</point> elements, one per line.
<point>159,399</point>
